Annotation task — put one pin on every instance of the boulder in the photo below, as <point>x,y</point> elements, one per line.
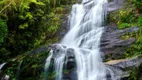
<point>70,59</point>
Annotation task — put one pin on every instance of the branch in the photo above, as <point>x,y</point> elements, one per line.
<point>5,7</point>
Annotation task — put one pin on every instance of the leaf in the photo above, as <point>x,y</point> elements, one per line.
<point>23,26</point>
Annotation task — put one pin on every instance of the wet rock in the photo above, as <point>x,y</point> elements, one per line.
<point>70,53</point>
<point>115,5</point>
<point>111,42</point>
<point>70,75</point>
<point>70,59</point>
<point>123,68</point>
<point>63,29</point>
<point>126,63</point>
<point>5,77</point>
<point>58,50</point>
<point>79,1</point>
<point>69,70</point>
<point>70,65</point>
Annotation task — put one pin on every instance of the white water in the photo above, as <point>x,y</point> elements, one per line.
<point>86,27</point>
<point>1,65</point>
<point>47,64</point>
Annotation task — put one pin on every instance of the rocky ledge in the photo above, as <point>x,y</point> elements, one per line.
<point>125,67</point>
<point>122,69</point>
<point>112,42</point>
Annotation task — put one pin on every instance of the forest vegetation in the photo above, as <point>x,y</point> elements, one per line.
<point>28,24</point>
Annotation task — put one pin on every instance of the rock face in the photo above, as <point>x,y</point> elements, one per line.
<point>125,63</point>
<point>115,4</point>
<point>124,67</point>
<point>111,42</point>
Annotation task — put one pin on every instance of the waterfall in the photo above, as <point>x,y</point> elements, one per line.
<point>1,66</point>
<point>86,27</point>
<point>19,70</point>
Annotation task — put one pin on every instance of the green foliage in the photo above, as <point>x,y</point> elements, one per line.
<point>124,25</point>
<point>134,74</point>
<point>27,24</point>
<point>136,48</point>
<point>24,26</point>
<point>12,70</point>
<point>126,18</point>
<point>138,4</point>
<point>3,30</point>
<point>33,66</point>
<point>27,67</point>
<point>140,21</point>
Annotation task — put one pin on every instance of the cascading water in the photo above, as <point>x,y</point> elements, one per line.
<point>1,66</point>
<point>86,27</point>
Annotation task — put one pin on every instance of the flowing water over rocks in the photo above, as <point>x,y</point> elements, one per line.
<point>79,55</point>
<point>82,42</point>
<point>1,65</point>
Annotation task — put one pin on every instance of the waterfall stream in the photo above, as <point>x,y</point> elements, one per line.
<point>1,66</point>
<point>86,27</point>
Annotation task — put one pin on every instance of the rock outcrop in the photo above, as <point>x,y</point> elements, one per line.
<point>111,42</point>
<point>124,67</point>
<point>115,4</point>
